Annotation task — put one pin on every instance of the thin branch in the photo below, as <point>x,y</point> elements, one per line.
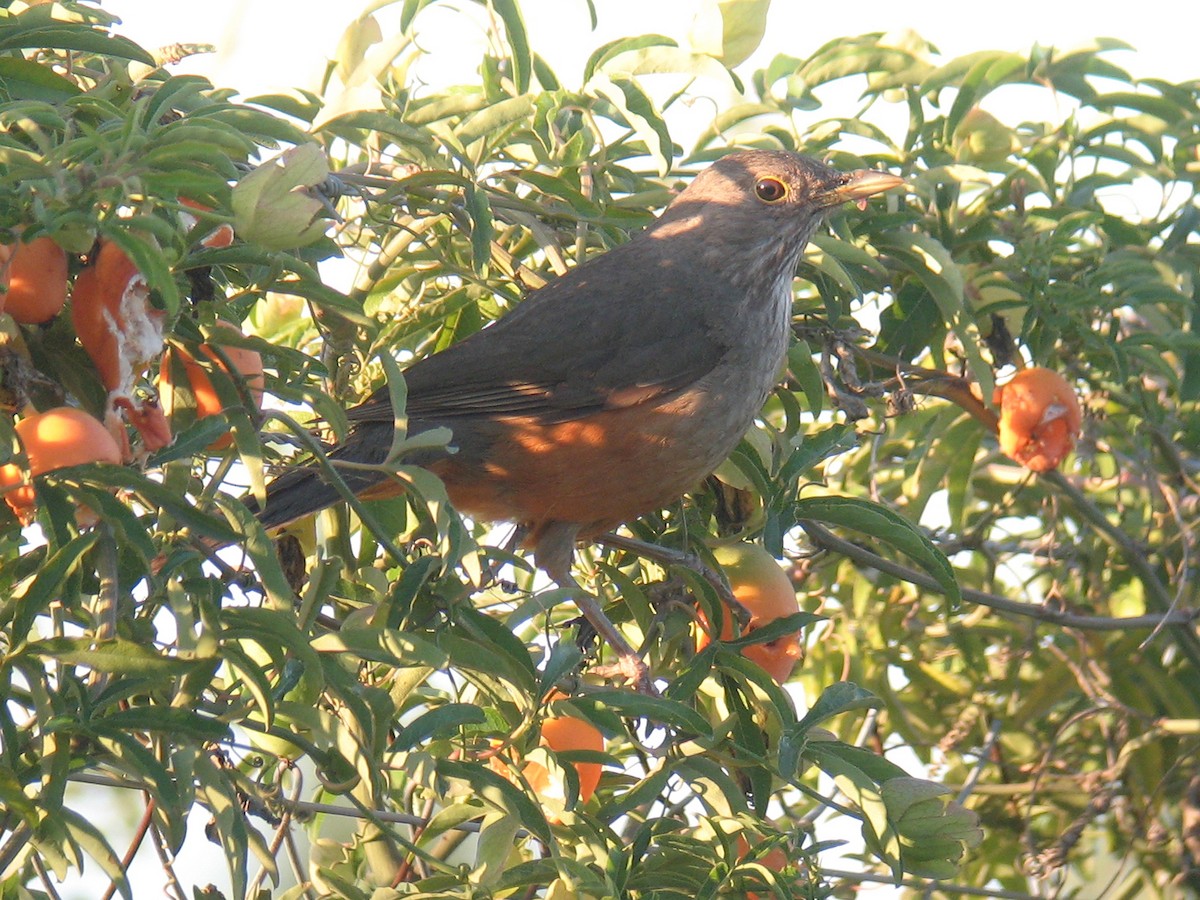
<point>45,878</point>
<point>304,807</point>
<point>823,537</point>
<point>960,889</point>
<point>14,845</point>
<point>985,753</point>
<point>134,846</point>
<point>1156,592</point>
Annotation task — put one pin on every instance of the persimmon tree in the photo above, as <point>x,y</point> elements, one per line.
<point>1000,685</point>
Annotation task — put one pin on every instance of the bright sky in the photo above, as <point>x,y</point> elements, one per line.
<point>270,45</point>
<point>259,49</point>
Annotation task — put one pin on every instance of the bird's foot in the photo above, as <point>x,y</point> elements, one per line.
<point>631,670</point>
<point>630,667</point>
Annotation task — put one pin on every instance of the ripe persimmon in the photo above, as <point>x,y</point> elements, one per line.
<point>221,236</point>
<point>774,859</point>
<point>760,585</point>
<point>59,437</point>
<point>36,281</point>
<point>246,362</point>
<point>561,733</point>
<point>1039,418</point>
<point>113,319</point>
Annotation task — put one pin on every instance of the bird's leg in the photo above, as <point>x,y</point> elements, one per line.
<point>555,548</point>
<point>682,558</point>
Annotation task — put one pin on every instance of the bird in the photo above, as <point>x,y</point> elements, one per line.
<point>615,388</point>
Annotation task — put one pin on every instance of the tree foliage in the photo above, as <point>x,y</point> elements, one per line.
<point>1027,642</point>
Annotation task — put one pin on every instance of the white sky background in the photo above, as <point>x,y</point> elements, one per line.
<point>267,46</point>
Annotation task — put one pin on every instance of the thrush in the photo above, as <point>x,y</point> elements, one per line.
<point>611,391</point>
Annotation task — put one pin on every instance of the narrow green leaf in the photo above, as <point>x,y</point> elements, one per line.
<point>26,80</point>
<point>168,720</point>
<point>118,656</point>
<point>884,525</point>
<point>441,722</point>
<point>656,709</point>
<point>73,37</point>
<point>482,228</point>
<point>89,839</point>
<point>836,699</point>
<point>518,41</point>
<point>639,112</point>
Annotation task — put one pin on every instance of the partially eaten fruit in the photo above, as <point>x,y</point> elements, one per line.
<point>1039,418</point>
<point>247,364</point>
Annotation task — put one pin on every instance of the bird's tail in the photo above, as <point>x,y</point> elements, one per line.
<point>304,490</point>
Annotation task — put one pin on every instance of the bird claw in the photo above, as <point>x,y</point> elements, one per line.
<point>631,670</point>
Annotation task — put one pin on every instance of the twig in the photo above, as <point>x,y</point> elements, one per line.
<point>825,538</point>
<point>134,846</point>
<point>960,889</point>
<point>984,754</point>
<point>168,865</point>
<point>45,877</point>
<point>14,845</point>
<point>1156,592</point>
<point>294,806</point>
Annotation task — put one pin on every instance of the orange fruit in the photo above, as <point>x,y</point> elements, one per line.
<point>113,318</point>
<point>1039,418</point>
<point>567,733</point>
<point>221,236</point>
<point>59,437</point>
<point>36,280</point>
<point>774,859</point>
<point>760,585</point>
<point>246,362</point>
<point>561,733</point>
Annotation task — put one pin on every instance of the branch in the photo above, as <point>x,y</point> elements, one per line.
<point>825,538</point>
<point>921,885</point>
<point>1156,592</point>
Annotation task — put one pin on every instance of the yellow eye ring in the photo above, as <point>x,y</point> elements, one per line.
<point>770,190</point>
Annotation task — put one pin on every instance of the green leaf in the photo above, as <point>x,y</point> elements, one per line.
<point>155,494</point>
<point>27,80</point>
<point>47,584</point>
<point>864,792</point>
<point>89,839</point>
<point>836,699</point>
<point>612,49</point>
<point>730,30</point>
<point>494,121</point>
<point>884,525</point>
<point>117,656</point>
<point>73,37</point>
<point>442,722</point>
<point>639,112</point>
<point>167,720</point>
<point>932,263</point>
<point>482,229</point>
<point>805,371</point>
<point>274,206</point>
<point>518,41</point>
<point>382,645</point>
<point>655,709</point>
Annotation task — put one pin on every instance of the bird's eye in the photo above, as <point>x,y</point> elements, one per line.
<point>770,190</point>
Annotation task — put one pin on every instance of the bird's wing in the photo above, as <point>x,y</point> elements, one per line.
<point>597,338</point>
